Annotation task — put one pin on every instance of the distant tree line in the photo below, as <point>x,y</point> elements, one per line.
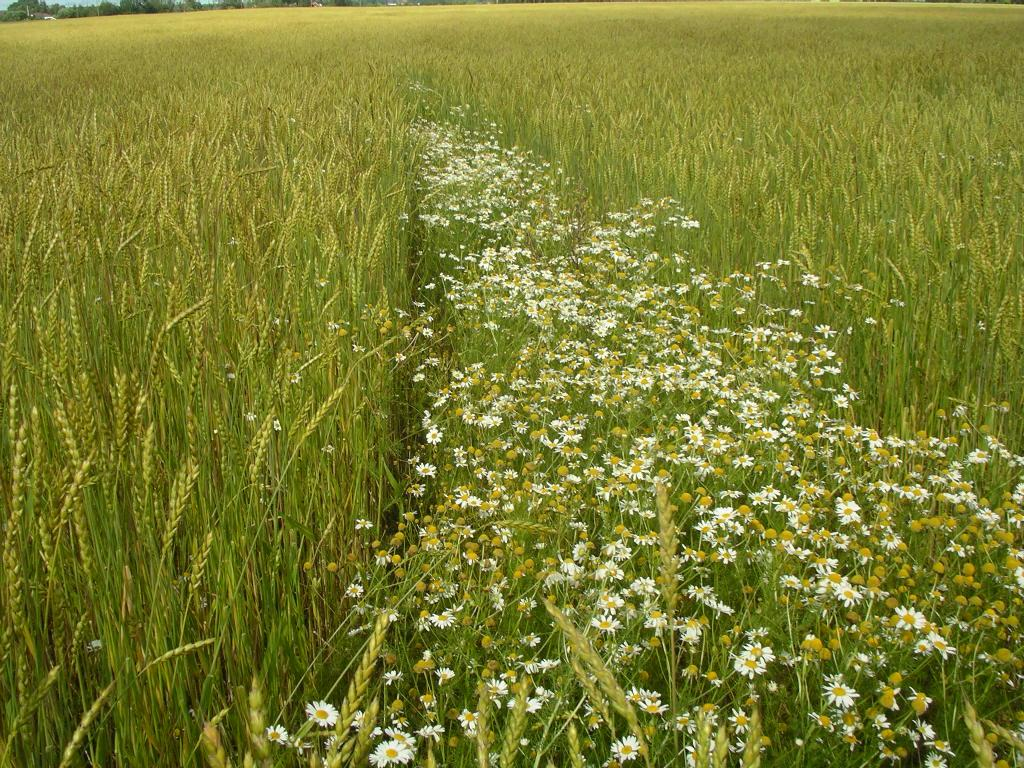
<point>27,10</point>
<point>24,10</point>
<point>37,9</point>
<point>21,10</point>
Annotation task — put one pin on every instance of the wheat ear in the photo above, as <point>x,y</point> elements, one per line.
<point>703,740</point>
<point>259,747</point>
<point>580,645</point>
<point>362,749</point>
<point>575,748</point>
<point>483,734</point>
<point>213,749</point>
<point>83,726</point>
<point>721,753</point>
<point>752,749</point>
<point>1011,738</point>
<point>516,725</point>
<point>976,732</point>
<point>356,693</point>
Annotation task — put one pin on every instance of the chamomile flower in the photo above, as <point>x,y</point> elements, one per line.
<point>626,749</point>
<point>469,721</point>
<point>391,752</point>
<point>322,713</point>
<point>277,734</point>
<point>838,693</point>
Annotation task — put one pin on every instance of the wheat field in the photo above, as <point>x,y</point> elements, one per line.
<point>520,385</point>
